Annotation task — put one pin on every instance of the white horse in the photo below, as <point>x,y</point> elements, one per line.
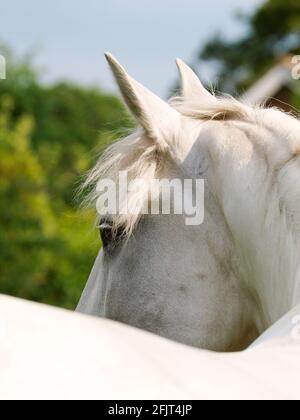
<point>219,285</point>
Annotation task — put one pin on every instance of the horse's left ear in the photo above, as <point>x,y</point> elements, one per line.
<point>191,87</point>
<point>156,116</point>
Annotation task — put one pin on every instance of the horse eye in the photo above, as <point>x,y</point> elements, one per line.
<point>108,235</point>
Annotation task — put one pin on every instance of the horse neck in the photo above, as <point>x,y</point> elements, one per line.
<point>269,263</point>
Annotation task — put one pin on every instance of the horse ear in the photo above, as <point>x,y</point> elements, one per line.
<point>155,116</point>
<point>190,83</point>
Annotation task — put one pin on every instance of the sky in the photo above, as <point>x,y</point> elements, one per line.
<point>70,36</point>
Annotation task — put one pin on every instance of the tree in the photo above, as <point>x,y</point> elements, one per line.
<point>27,221</point>
<point>49,137</point>
<point>273,30</point>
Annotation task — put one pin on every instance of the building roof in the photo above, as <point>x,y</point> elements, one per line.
<point>270,84</point>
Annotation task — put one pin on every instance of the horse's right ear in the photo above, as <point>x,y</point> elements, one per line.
<point>191,86</point>
<point>156,116</point>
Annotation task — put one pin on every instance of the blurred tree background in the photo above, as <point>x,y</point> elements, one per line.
<point>272,32</point>
<point>51,135</point>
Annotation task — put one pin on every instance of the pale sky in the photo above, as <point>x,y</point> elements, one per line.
<point>145,35</point>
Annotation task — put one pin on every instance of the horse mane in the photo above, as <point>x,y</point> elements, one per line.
<point>222,109</point>
<point>138,155</point>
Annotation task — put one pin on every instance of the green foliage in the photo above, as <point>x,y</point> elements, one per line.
<point>273,30</point>
<point>49,137</point>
